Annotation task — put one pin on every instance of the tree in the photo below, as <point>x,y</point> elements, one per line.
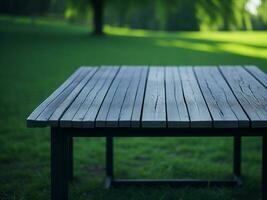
<point>24,7</point>
<point>97,16</point>
<point>171,15</point>
<point>262,11</point>
<point>80,9</point>
<point>181,15</point>
<point>224,15</point>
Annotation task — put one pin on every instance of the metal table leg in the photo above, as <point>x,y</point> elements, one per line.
<point>237,159</point>
<point>59,171</point>
<point>109,161</point>
<point>111,181</point>
<point>70,158</point>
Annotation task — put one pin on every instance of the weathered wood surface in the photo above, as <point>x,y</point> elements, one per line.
<point>197,108</point>
<point>258,74</point>
<point>223,106</point>
<point>55,96</point>
<point>157,97</point>
<point>251,94</point>
<point>110,109</point>
<point>76,113</point>
<point>154,110</point>
<point>133,100</point>
<point>177,115</point>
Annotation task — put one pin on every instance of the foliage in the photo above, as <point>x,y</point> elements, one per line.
<point>180,14</point>
<point>153,14</point>
<point>263,11</point>
<point>77,9</point>
<point>24,7</point>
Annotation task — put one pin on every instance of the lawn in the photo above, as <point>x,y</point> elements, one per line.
<point>36,57</point>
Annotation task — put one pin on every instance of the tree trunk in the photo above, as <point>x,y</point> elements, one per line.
<point>225,23</point>
<point>98,16</point>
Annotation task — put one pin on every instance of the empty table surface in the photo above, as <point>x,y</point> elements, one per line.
<point>157,97</point>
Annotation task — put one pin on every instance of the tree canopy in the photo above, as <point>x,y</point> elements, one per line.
<point>170,15</point>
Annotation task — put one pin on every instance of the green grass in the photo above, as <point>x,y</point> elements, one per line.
<point>36,58</point>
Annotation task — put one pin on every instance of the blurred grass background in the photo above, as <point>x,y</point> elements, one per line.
<point>35,57</point>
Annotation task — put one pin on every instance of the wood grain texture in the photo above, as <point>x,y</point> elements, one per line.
<point>223,106</point>
<point>111,106</point>
<point>154,110</point>
<point>177,114</point>
<point>139,99</point>
<point>69,98</point>
<point>82,102</point>
<point>87,114</point>
<point>251,94</point>
<point>55,98</point>
<point>197,108</point>
<point>157,97</point>
<point>258,74</point>
<point>116,105</point>
<point>132,98</point>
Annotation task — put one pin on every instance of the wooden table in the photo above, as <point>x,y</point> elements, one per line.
<point>130,101</point>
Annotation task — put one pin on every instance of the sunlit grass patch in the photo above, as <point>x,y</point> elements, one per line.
<point>252,44</point>
<point>221,46</point>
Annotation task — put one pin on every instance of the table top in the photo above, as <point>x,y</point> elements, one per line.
<point>157,97</point>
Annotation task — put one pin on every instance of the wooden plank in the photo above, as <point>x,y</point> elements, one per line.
<point>251,94</point>
<point>116,106</point>
<point>53,112</point>
<point>90,89</point>
<point>154,110</point>
<point>258,74</point>
<point>100,120</point>
<point>33,116</point>
<point>196,105</point>
<point>225,110</point>
<point>130,98</point>
<point>177,114</point>
<point>110,110</point>
<point>59,111</point>
<point>139,99</point>
<point>86,115</point>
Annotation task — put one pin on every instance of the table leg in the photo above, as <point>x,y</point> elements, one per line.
<point>109,161</point>
<point>264,167</point>
<point>237,158</point>
<point>59,173</point>
<point>70,158</point>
